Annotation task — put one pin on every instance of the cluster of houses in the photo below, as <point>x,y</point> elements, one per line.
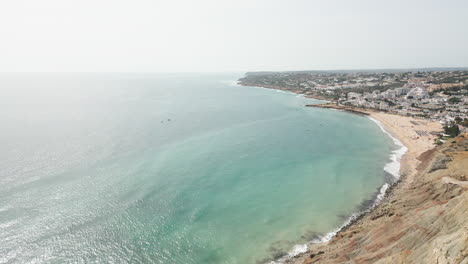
<point>411,93</point>
<point>407,101</point>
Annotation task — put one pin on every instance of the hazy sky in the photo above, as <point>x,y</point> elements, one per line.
<point>238,35</point>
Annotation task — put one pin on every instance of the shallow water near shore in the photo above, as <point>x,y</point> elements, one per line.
<point>174,168</point>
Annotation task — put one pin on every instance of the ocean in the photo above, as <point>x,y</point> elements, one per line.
<point>175,168</point>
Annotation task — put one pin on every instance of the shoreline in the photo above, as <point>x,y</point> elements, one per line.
<point>402,157</point>
<point>414,136</point>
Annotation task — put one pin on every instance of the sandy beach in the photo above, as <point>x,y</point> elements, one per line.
<point>417,135</point>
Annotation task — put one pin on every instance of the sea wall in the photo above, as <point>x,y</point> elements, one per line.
<point>339,107</point>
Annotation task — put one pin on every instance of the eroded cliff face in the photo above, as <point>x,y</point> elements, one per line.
<point>422,222</point>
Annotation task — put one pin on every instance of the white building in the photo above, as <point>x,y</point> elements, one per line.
<point>354,96</point>
<point>418,93</point>
<point>401,91</point>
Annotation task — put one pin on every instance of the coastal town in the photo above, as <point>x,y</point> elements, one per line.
<point>437,95</point>
<point>425,112</point>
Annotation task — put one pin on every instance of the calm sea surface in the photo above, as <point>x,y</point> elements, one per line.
<point>173,168</point>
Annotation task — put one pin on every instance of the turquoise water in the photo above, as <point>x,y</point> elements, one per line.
<point>173,168</point>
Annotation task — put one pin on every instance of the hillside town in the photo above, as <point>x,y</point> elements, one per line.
<point>438,95</point>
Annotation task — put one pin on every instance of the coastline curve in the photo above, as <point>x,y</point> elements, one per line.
<point>392,167</point>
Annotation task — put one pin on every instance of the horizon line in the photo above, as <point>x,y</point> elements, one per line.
<point>247,71</point>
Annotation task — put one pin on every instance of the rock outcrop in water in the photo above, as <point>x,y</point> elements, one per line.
<point>425,221</point>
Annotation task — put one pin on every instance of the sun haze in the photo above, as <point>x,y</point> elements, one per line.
<point>208,35</point>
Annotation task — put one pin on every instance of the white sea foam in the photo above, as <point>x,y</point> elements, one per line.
<point>282,91</point>
<point>393,167</point>
<point>297,249</point>
<point>381,195</point>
